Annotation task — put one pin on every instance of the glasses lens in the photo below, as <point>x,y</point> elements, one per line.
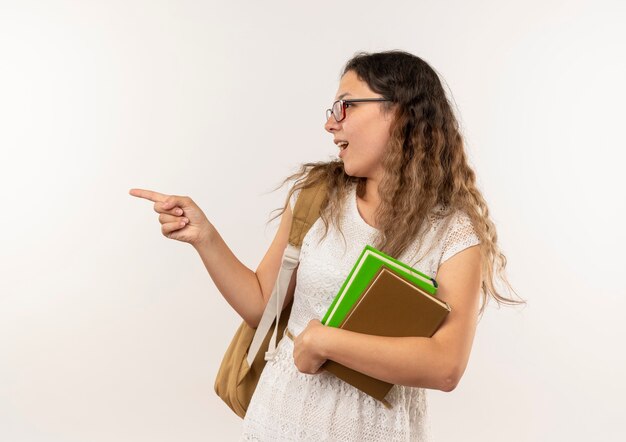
<point>338,110</point>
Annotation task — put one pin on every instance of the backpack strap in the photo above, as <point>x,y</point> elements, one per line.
<point>305,213</point>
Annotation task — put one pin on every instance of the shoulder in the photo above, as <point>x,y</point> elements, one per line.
<point>299,179</point>
<point>293,198</point>
<point>296,192</point>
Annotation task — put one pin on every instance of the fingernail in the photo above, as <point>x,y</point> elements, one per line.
<point>179,211</point>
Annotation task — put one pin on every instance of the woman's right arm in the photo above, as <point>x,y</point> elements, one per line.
<point>246,291</point>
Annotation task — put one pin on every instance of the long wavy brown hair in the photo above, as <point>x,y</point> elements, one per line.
<point>426,172</point>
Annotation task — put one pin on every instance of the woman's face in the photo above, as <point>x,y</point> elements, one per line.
<point>365,128</point>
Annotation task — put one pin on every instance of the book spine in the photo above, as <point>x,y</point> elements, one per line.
<point>343,286</point>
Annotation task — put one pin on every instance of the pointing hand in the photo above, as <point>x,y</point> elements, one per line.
<point>181,219</point>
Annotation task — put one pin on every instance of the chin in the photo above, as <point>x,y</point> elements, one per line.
<point>352,173</point>
<point>346,170</point>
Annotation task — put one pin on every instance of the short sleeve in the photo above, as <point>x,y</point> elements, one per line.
<point>460,236</point>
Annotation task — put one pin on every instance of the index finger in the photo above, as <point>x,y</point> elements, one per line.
<point>148,194</point>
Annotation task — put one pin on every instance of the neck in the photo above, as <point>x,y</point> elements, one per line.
<point>371,197</point>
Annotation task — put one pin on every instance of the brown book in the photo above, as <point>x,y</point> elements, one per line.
<point>389,306</point>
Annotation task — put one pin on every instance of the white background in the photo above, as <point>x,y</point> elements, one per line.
<point>111,332</point>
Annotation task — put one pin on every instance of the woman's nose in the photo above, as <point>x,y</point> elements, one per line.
<point>331,124</point>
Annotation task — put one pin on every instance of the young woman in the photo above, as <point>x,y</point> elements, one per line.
<point>401,184</point>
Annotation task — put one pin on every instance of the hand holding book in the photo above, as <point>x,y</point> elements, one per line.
<point>307,354</point>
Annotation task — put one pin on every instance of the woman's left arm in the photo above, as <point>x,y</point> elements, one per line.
<point>436,363</point>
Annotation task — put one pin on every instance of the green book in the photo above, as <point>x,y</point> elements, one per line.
<point>366,267</point>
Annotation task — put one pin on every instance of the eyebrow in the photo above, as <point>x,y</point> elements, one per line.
<point>343,95</point>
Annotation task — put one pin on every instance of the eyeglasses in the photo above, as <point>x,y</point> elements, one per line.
<point>338,110</point>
